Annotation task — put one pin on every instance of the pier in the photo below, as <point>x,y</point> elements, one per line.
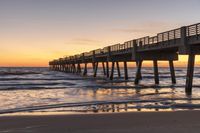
<point>165,46</point>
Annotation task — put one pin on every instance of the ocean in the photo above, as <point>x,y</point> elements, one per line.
<point>39,90</point>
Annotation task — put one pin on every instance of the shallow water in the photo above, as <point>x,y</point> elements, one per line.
<point>41,90</point>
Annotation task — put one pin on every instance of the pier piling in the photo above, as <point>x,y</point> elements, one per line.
<point>96,68</point>
<point>85,70</point>
<point>104,70</point>
<point>138,72</point>
<point>172,72</point>
<point>125,71</point>
<point>107,69</point>
<point>118,69</point>
<point>190,71</point>
<point>156,74</point>
<point>112,70</point>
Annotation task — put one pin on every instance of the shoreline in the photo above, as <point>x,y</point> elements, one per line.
<point>125,122</point>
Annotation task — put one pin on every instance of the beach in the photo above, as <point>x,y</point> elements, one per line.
<point>137,122</point>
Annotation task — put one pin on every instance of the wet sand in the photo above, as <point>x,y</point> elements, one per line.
<point>136,122</point>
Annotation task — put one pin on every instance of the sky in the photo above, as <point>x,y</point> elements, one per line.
<point>33,32</point>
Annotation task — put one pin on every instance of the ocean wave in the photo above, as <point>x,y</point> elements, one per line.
<point>6,73</point>
<point>151,104</point>
<point>38,79</point>
<point>64,105</point>
<point>32,88</point>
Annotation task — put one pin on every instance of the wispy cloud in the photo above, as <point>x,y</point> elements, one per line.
<point>83,41</point>
<point>144,27</point>
<point>128,30</point>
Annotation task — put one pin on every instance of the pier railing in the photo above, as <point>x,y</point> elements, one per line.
<point>193,30</point>
<point>171,35</point>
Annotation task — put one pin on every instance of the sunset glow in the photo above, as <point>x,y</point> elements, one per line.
<point>33,32</point>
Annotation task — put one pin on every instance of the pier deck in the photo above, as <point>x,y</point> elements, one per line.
<point>165,46</point>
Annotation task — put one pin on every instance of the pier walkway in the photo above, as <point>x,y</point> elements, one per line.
<point>165,46</point>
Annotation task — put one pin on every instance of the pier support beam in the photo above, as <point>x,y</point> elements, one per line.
<point>138,72</point>
<point>118,69</point>
<point>85,70</point>
<point>70,68</point>
<point>96,68</point>
<point>78,68</point>
<point>74,68</point>
<point>190,72</point>
<point>172,72</point>
<point>125,71</point>
<point>93,66</point>
<point>104,70</point>
<point>112,71</point>
<point>67,68</point>
<point>107,69</point>
<point>156,74</point>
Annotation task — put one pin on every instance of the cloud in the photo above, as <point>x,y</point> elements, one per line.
<point>128,30</point>
<point>145,27</point>
<point>83,41</point>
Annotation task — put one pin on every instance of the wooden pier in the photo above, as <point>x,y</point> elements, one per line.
<point>164,46</point>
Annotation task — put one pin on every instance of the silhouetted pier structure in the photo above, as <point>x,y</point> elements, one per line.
<point>164,46</point>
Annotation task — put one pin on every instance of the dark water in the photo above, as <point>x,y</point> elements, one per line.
<point>41,90</point>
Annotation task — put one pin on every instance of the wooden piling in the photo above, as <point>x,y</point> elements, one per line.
<point>79,68</point>
<point>74,68</point>
<point>190,72</point>
<point>67,68</point>
<point>85,70</point>
<point>107,69</point>
<point>118,69</point>
<point>125,71</point>
<point>112,71</point>
<point>93,66</point>
<point>104,70</point>
<point>156,74</point>
<point>96,68</point>
<point>138,72</point>
<point>172,72</point>
<point>70,69</point>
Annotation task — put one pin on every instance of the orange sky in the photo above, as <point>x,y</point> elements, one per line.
<point>35,32</point>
